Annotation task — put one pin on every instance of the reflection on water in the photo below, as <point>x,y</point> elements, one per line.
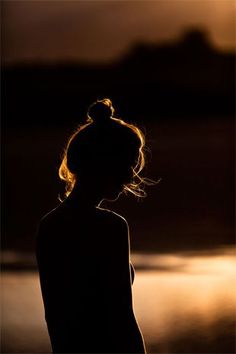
<point>185,303</point>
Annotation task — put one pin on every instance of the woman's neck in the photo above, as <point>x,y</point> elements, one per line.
<point>83,197</point>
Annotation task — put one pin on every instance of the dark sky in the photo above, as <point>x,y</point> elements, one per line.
<point>103,30</point>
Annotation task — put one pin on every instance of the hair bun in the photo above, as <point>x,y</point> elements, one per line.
<point>101,111</point>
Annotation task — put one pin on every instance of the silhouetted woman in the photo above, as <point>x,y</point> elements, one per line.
<point>83,250</point>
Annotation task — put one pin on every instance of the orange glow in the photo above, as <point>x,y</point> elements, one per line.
<point>64,173</point>
<point>183,294</point>
<point>137,182</point>
<point>180,298</point>
<point>58,30</point>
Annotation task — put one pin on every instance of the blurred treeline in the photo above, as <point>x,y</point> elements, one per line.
<point>184,78</point>
<point>181,93</point>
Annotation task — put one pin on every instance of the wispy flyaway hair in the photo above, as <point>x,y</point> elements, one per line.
<point>104,145</point>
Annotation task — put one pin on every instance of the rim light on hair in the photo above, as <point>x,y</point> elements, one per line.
<point>137,183</point>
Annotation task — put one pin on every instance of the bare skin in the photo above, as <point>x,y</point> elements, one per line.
<point>85,274</point>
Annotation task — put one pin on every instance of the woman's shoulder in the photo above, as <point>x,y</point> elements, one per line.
<point>50,219</point>
<point>112,217</point>
<point>50,215</point>
<point>116,226</point>
<point>101,220</point>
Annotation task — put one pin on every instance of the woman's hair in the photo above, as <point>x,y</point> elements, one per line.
<point>104,145</point>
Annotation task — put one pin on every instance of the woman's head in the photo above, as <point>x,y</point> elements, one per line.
<point>106,154</point>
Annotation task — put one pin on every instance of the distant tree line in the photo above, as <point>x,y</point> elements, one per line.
<point>185,78</point>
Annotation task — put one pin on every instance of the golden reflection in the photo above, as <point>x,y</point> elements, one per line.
<point>183,302</point>
<point>186,294</point>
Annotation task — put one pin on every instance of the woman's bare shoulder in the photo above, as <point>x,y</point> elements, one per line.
<point>101,220</point>
<point>116,235</point>
<point>113,217</point>
<point>116,226</point>
<point>50,219</point>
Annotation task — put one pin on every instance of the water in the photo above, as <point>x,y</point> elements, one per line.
<point>184,303</point>
<point>187,303</point>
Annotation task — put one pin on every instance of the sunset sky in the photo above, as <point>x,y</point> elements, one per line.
<point>103,30</point>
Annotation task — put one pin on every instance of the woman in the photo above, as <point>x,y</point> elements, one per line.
<point>83,249</point>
